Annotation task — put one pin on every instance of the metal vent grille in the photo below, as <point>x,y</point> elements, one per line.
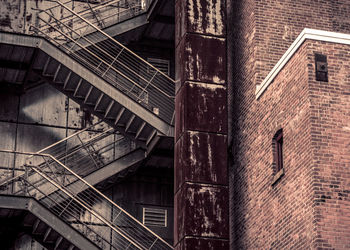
<point>154,217</point>
<point>161,64</point>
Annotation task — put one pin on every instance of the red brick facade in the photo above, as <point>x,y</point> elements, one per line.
<point>308,207</point>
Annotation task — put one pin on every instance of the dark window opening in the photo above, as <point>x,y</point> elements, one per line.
<point>278,151</point>
<point>321,68</point>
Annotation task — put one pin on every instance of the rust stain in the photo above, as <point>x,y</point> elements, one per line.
<point>6,22</point>
<point>29,17</point>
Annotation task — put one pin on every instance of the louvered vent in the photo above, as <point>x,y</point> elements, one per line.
<point>161,64</point>
<point>154,217</point>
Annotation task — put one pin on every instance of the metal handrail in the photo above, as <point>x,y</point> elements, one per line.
<point>67,148</point>
<point>57,203</point>
<point>100,9</point>
<point>64,210</point>
<point>115,41</point>
<point>69,137</point>
<point>95,194</point>
<point>111,60</point>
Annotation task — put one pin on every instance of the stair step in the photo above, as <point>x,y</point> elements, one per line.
<point>151,137</point>
<point>88,95</point>
<point>120,113</point>
<point>46,65</point>
<point>35,226</point>
<point>139,130</point>
<point>110,105</point>
<point>78,86</point>
<point>98,101</point>
<point>128,124</point>
<point>67,80</point>
<point>56,72</point>
<point>47,233</point>
<point>58,242</point>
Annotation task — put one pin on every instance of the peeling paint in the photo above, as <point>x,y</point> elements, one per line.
<point>206,16</point>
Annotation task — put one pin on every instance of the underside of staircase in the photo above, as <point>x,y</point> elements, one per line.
<point>24,214</point>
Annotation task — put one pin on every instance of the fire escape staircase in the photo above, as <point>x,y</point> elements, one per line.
<point>119,87</point>
<point>100,74</point>
<point>63,194</point>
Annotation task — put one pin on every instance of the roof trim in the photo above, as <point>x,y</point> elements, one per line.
<point>313,34</point>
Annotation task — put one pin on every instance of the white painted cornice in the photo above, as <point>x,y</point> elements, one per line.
<point>318,35</point>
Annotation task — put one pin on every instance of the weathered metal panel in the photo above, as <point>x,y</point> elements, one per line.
<point>7,135</point>
<point>200,16</point>
<point>201,210</point>
<point>8,107</point>
<point>201,157</point>
<point>12,15</point>
<point>7,141</point>
<point>43,105</point>
<point>144,189</point>
<point>32,138</point>
<point>203,243</point>
<point>78,118</point>
<point>196,110</point>
<point>26,242</point>
<point>202,59</point>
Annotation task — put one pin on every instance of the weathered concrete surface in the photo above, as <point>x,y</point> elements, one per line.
<point>43,105</point>
<point>12,15</point>
<point>26,242</point>
<point>8,107</point>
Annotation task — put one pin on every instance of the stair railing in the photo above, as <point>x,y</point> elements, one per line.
<point>90,149</point>
<point>112,61</point>
<point>82,206</point>
<point>84,152</point>
<point>100,13</point>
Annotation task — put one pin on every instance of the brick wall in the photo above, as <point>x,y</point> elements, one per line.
<point>330,140</point>
<point>278,216</point>
<point>292,213</point>
<point>278,23</point>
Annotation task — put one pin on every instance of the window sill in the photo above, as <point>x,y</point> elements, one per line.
<point>277,176</point>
